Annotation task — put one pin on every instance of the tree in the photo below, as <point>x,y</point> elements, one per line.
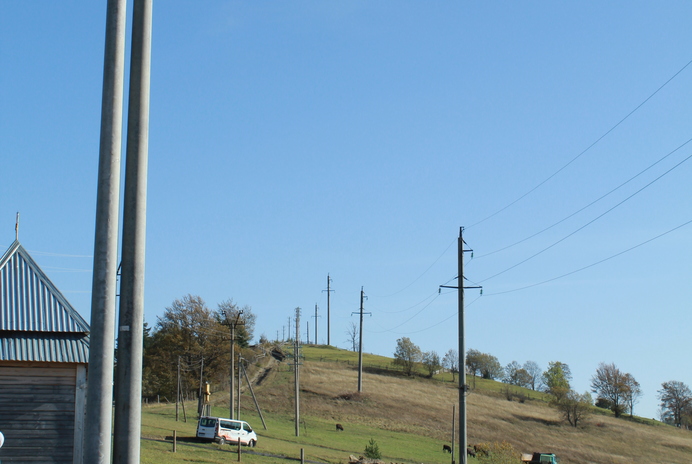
<point>634,392</point>
<point>431,361</point>
<point>534,372</point>
<point>407,354</point>
<point>190,331</point>
<point>556,379</point>
<point>372,450</point>
<point>516,375</point>
<point>473,361</point>
<point>450,361</point>
<point>610,383</point>
<point>574,407</point>
<point>229,312</point>
<point>490,367</point>
<point>486,365</point>
<point>676,400</point>
<point>352,333</point>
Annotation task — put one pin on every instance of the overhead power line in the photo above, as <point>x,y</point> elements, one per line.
<point>593,264</point>
<point>540,184</point>
<point>589,205</point>
<point>588,223</point>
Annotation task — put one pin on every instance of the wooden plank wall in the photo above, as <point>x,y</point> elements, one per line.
<point>37,413</point>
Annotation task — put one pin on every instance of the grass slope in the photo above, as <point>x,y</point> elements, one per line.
<point>409,418</point>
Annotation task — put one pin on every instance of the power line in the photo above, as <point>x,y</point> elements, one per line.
<point>590,222</point>
<point>589,205</point>
<point>586,149</point>
<point>593,264</point>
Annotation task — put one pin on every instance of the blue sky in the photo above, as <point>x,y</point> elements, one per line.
<point>289,140</point>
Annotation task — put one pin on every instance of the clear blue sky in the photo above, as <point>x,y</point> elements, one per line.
<point>289,140</point>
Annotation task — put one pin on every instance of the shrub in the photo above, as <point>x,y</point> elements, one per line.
<point>498,453</point>
<point>372,451</point>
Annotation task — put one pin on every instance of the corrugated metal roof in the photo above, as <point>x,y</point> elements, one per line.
<point>28,299</point>
<point>32,346</point>
<point>37,323</point>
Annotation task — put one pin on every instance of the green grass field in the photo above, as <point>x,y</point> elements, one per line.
<point>408,417</point>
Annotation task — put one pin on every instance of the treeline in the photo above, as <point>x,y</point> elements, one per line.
<point>614,389</point>
<point>191,342</point>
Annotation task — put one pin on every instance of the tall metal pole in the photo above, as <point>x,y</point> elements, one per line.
<point>360,345</point>
<point>317,340</point>
<point>99,406</point>
<point>462,355</point>
<point>128,403</point>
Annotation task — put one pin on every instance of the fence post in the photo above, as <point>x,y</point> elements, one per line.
<point>175,441</point>
<point>302,456</point>
<point>240,446</point>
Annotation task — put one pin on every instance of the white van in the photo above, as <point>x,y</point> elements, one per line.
<point>224,431</point>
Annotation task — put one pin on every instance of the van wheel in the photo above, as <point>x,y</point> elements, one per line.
<point>222,441</point>
<point>252,443</point>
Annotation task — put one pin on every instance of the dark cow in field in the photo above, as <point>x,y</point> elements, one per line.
<point>339,428</point>
<point>446,448</point>
<point>471,452</point>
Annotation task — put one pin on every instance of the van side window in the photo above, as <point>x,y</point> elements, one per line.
<point>227,425</point>
<point>247,428</point>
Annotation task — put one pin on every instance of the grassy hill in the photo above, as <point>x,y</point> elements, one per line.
<point>408,417</point>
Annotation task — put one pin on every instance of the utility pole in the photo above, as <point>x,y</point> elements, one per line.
<point>200,401</point>
<point>99,404</point>
<point>360,342</point>
<point>240,366</point>
<point>296,363</point>
<point>317,340</point>
<point>127,428</point>
<point>463,387</point>
<point>177,391</point>
<point>329,291</point>
<point>233,324</point>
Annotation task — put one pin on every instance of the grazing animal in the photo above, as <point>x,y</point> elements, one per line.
<point>471,452</point>
<point>446,448</point>
<point>339,427</point>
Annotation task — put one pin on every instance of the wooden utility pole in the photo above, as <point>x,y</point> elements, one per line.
<point>232,324</point>
<point>177,391</point>
<point>317,340</point>
<point>296,359</point>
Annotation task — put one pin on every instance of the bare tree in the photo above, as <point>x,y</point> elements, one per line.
<point>431,361</point>
<point>634,392</point>
<point>451,361</point>
<point>574,407</point>
<point>534,371</point>
<point>353,336</point>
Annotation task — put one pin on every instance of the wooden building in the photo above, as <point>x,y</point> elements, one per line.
<point>44,351</point>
